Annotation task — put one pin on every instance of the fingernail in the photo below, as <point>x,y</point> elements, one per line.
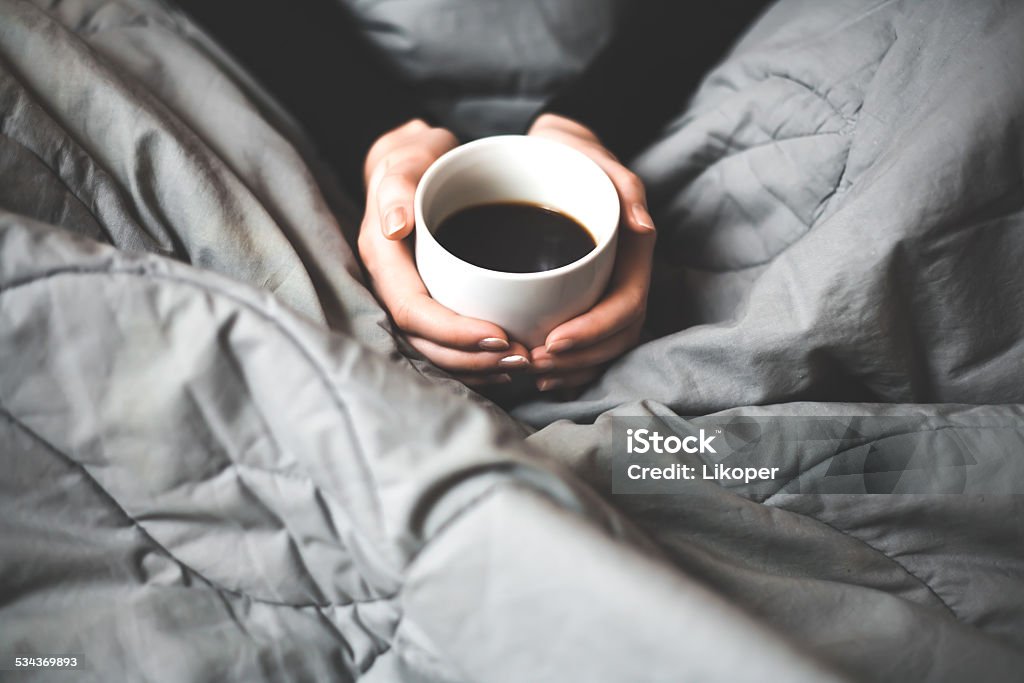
<point>560,346</point>
<point>642,218</point>
<point>550,383</point>
<point>493,344</point>
<point>514,361</point>
<point>395,220</point>
<point>502,378</point>
<point>542,364</point>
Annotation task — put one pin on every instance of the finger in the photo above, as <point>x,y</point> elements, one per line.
<point>410,133</point>
<point>416,313</point>
<point>415,138</point>
<point>387,143</point>
<point>397,284</point>
<point>567,380</point>
<point>394,188</point>
<point>395,193</point>
<point>544,362</point>
<point>624,305</point>
<point>394,181</point>
<point>460,361</point>
<point>632,195</point>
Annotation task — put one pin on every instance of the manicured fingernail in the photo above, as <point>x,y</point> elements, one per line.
<point>560,346</point>
<point>514,361</point>
<point>493,344</point>
<point>542,364</point>
<point>395,220</point>
<point>550,383</point>
<point>642,218</point>
<point>502,379</point>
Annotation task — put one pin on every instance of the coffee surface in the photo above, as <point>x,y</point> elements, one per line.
<point>514,237</point>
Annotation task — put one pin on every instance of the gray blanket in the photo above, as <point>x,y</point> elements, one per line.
<point>218,464</point>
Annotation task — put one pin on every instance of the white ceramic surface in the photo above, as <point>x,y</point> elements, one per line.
<point>519,168</point>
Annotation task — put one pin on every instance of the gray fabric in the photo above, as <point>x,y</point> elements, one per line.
<point>485,67</point>
<point>218,466</point>
<point>840,213</point>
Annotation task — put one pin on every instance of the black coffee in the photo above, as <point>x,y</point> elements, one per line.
<point>514,237</point>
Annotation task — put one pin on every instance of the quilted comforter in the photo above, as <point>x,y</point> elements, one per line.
<point>218,463</point>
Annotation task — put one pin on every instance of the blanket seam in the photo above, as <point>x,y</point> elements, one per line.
<point>140,270</point>
<point>216,586</point>
<point>143,270</point>
<point>924,584</point>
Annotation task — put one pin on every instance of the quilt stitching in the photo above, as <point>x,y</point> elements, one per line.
<point>162,548</point>
<point>142,270</point>
<point>892,559</point>
<point>216,587</point>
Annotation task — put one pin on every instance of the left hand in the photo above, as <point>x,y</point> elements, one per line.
<point>477,352</point>
<point>575,352</point>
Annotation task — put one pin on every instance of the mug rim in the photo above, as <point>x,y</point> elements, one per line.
<point>451,155</point>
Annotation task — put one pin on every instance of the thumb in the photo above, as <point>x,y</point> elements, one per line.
<point>395,205</point>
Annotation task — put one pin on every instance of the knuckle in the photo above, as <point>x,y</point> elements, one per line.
<point>396,180</point>
<point>402,314</point>
<point>415,125</point>
<point>443,137</point>
<point>395,192</point>
<point>637,303</point>
<point>481,363</point>
<point>631,183</point>
<point>413,163</point>
<point>601,152</point>
<point>364,244</point>
<point>458,363</point>
<point>417,344</point>
<point>384,143</point>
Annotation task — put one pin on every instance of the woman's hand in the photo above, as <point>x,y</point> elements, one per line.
<point>475,351</point>
<point>575,351</point>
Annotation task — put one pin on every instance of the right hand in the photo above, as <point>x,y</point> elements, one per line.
<point>475,351</point>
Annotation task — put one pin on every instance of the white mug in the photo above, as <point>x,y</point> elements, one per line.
<point>521,169</point>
